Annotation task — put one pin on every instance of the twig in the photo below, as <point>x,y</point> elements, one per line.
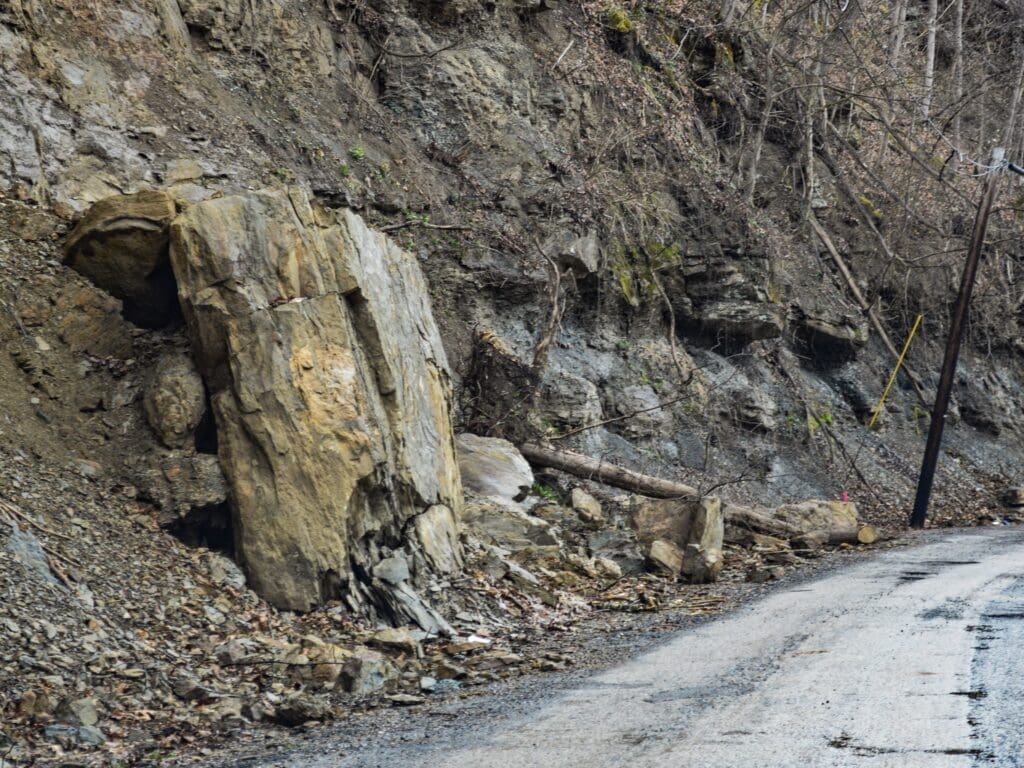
<point>559,59</point>
<point>540,352</point>
<point>429,54</point>
<point>587,427</point>
<point>424,224</point>
<point>11,509</point>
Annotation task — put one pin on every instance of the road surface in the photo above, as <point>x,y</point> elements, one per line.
<point>912,658</point>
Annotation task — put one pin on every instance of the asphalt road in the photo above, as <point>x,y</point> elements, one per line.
<point>912,658</point>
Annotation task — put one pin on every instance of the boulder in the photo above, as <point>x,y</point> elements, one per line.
<point>121,245</point>
<point>494,470</point>
<point>702,558</point>
<point>437,533</point>
<point>664,558</point>
<point>174,400</point>
<point>828,334</point>
<point>510,528</point>
<point>834,521</point>
<point>184,487</point>
<point>566,400</point>
<point>330,386</point>
<point>694,526</point>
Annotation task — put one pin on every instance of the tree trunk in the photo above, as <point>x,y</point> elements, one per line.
<point>609,474</point>
<point>929,65</point>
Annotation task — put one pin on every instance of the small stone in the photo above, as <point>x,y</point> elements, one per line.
<point>78,712</point>
<point>398,638</point>
<point>765,573</point>
<point>428,684</point>
<point>587,507</point>
<point>405,699</point>
<point>88,468</point>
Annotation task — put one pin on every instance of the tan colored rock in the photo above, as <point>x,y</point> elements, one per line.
<point>835,521</point>
<point>665,558</point>
<point>121,245</point>
<point>702,557</point>
<point>330,385</point>
<point>695,526</point>
<point>587,507</point>
<point>175,400</point>
<point>437,533</point>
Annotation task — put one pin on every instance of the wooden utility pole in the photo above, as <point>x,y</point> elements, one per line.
<point>956,328</point>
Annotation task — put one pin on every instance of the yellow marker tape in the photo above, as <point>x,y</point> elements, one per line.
<point>896,370</point>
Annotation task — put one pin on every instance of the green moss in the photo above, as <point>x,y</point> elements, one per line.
<point>869,206</point>
<point>618,19</point>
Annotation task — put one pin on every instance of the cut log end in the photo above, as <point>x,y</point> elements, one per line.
<point>867,534</point>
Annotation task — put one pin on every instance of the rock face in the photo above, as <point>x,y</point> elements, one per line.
<point>175,400</point>
<point>121,245</point>
<point>330,388</point>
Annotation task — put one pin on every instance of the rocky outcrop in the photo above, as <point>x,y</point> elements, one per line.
<point>331,393</point>
<point>729,295</point>
<point>121,245</point>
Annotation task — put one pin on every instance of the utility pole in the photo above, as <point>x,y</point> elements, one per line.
<point>956,328</point>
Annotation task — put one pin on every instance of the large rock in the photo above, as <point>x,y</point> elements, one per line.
<point>493,469</point>
<point>330,386</point>
<point>175,400</point>
<point>702,558</point>
<point>694,526</point>
<point>834,521</point>
<point>829,334</point>
<point>121,244</point>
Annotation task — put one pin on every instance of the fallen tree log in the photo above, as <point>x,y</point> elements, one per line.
<point>752,520</point>
<point>609,474</point>
<point>807,525</point>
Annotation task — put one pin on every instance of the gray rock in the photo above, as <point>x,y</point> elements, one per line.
<point>366,671</point>
<point>27,550</point>
<point>510,528</point>
<point>393,570</point>
<point>180,484</point>
<point>70,736</point>
<point>299,708</point>
<point>493,469</point>
<point>175,400</point>
<point>566,400</point>
<point>828,334</point>
<point>83,711</point>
